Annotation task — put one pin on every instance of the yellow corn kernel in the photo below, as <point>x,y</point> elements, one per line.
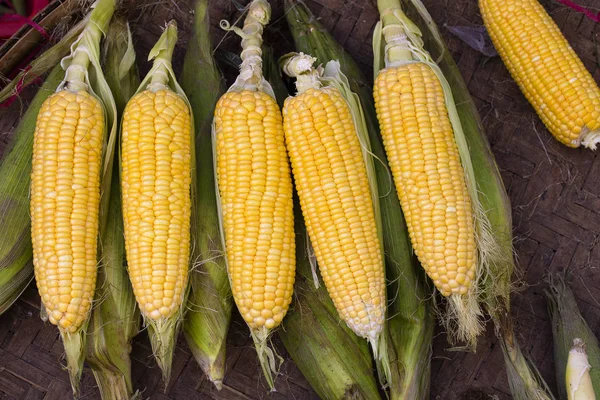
<point>548,71</point>
<point>156,168</point>
<point>427,170</point>
<point>333,187</point>
<point>256,197</point>
<point>65,196</point>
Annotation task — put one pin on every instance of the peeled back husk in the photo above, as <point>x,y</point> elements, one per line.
<point>210,301</point>
<point>16,254</point>
<point>524,379</point>
<point>410,321</point>
<point>115,318</point>
<point>567,325</point>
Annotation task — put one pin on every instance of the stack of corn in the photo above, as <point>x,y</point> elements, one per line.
<point>546,68</point>
<point>157,154</point>
<point>70,173</point>
<point>210,301</point>
<point>255,193</point>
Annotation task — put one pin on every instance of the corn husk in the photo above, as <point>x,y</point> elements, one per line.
<point>115,318</point>
<point>410,319</point>
<point>210,301</point>
<point>495,285</point>
<point>335,361</point>
<point>16,255</point>
<point>163,332</point>
<point>567,325</point>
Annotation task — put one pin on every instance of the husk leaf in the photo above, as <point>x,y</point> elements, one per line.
<point>115,318</point>
<point>163,332</point>
<point>567,325</point>
<point>16,254</point>
<point>210,301</point>
<point>410,321</point>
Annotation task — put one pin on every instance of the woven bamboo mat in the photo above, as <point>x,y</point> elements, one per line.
<point>555,194</point>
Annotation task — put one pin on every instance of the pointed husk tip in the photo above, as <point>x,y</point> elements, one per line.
<point>163,337</point>
<point>74,344</point>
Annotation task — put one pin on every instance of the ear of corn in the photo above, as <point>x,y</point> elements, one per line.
<point>577,377</point>
<point>334,360</point>
<point>410,321</point>
<point>71,175</point>
<point>16,264</point>
<point>115,318</point>
<point>524,379</point>
<point>567,325</point>
<point>210,301</point>
<point>157,155</point>
<point>546,68</point>
<point>255,193</point>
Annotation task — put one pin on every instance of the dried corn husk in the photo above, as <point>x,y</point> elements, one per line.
<point>410,319</point>
<point>568,325</point>
<point>115,319</point>
<point>210,301</point>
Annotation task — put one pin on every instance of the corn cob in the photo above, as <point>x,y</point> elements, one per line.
<point>115,319</point>
<point>546,68</point>
<point>335,361</point>
<point>495,289</point>
<point>430,168</point>
<point>255,188</point>
<point>156,156</point>
<point>72,158</point>
<point>210,301</point>
<point>567,325</point>
<point>410,319</point>
<point>336,198</point>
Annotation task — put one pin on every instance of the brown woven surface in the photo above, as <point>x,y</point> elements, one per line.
<point>555,194</point>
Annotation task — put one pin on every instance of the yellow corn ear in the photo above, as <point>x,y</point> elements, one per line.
<point>256,201</point>
<point>546,68</point>
<point>427,170</point>
<point>65,195</point>
<point>156,179</point>
<point>333,187</point>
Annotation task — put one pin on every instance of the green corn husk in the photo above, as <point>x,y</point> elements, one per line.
<point>410,318</point>
<point>210,300</point>
<point>16,254</point>
<point>495,287</point>
<point>44,62</point>
<point>568,325</point>
<point>335,361</point>
<point>115,319</point>
<point>163,332</point>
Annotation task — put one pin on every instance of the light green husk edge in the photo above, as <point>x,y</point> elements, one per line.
<point>251,78</point>
<point>115,318</point>
<point>210,301</point>
<point>410,320</point>
<point>87,49</point>
<point>495,289</point>
<point>163,332</point>
<point>568,324</point>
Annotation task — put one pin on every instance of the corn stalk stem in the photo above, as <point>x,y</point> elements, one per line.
<point>397,50</point>
<point>259,14</point>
